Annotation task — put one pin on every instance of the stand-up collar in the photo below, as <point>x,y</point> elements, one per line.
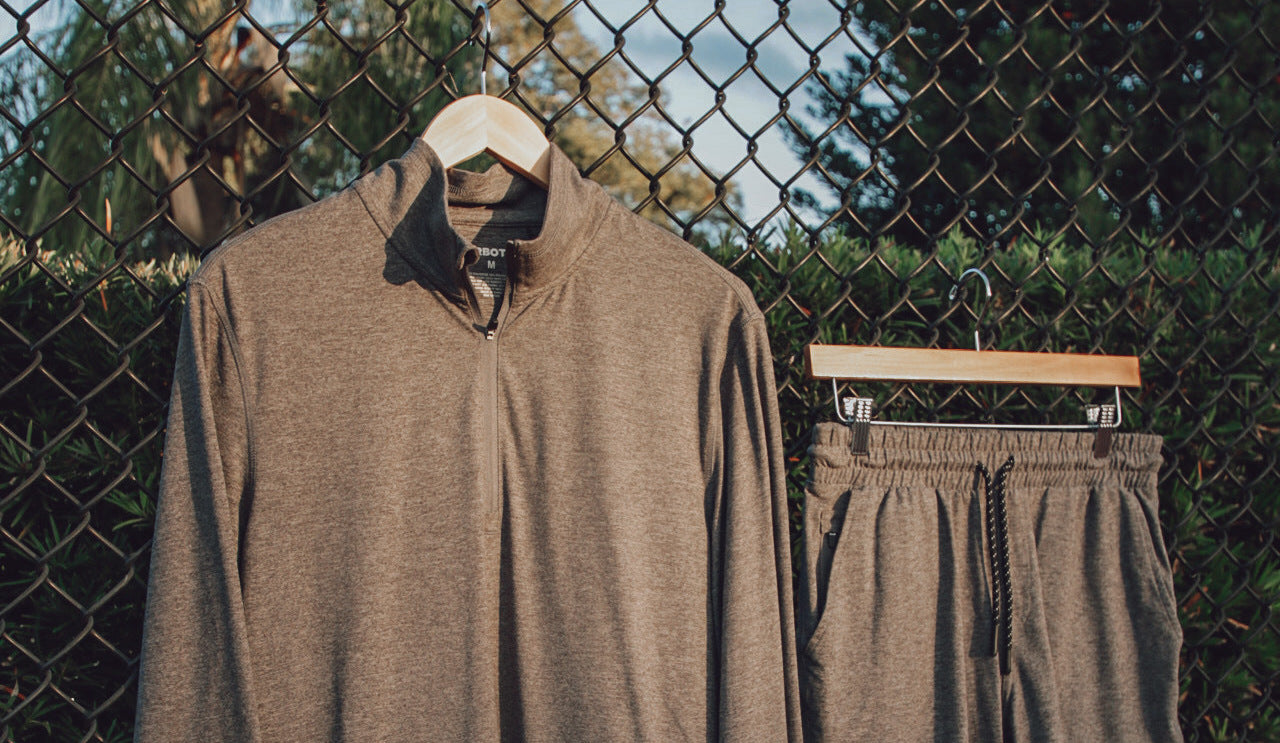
<point>408,198</point>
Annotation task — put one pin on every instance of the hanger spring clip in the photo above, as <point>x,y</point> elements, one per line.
<point>857,411</point>
<point>1105,418</point>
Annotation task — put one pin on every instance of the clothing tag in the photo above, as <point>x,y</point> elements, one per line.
<point>488,274</point>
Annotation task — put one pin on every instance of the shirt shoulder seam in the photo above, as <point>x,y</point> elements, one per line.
<point>746,301</point>
<point>236,360</point>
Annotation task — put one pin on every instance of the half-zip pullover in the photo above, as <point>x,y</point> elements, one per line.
<point>395,509</point>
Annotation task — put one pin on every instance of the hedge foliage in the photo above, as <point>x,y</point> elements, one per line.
<point>1206,326</point>
<point>88,347</point>
<point>87,357</point>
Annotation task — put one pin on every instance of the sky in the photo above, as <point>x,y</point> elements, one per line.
<point>782,58</point>
<point>716,49</point>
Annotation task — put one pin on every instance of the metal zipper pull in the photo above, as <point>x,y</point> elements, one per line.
<point>491,330</point>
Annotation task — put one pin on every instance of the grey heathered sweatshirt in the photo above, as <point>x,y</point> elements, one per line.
<point>394,509</point>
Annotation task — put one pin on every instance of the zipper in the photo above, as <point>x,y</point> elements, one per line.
<point>493,494</point>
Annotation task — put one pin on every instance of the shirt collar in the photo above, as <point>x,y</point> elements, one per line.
<point>408,198</point>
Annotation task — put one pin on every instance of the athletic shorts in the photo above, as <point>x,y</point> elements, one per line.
<point>986,585</point>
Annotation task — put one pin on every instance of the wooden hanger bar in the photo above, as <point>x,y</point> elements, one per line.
<point>484,123</point>
<point>887,364</point>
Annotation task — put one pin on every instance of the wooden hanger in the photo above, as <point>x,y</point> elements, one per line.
<point>887,364</point>
<point>483,123</point>
<point>882,364</point>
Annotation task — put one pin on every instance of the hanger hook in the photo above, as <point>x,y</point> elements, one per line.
<point>488,33</point>
<point>955,288</point>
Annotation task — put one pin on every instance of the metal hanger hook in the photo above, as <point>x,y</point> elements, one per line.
<point>488,34</point>
<point>955,289</point>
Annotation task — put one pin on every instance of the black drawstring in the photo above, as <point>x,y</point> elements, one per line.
<point>998,547</point>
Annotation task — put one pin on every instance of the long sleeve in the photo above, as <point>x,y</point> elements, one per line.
<point>758,691</point>
<point>195,680</point>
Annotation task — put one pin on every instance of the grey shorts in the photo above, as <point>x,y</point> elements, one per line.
<point>986,585</point>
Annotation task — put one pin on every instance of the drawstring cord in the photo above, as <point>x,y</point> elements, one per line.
<point>998,548</point>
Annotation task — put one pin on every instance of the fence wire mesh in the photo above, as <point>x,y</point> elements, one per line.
<point>1112,166</point>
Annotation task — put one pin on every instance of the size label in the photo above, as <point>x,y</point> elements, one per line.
<point>489,273</point>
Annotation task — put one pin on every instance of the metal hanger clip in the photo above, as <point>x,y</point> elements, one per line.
<point>857,413</point>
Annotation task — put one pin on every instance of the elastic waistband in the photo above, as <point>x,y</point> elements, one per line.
<point>946,457</point>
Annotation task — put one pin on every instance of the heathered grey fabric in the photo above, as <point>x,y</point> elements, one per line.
<point>903,649</point>
<point>375,524</point>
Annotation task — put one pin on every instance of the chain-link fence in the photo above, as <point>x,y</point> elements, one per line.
<point>1112,166</point>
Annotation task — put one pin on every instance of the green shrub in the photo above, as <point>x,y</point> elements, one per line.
<point>87,358</point>
<point>88,346</point>
<point>1205,325</point>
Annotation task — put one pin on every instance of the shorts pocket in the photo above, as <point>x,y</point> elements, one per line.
<point>1155,558</point>
<point>828,567</point>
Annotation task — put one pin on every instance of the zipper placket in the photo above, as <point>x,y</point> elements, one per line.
<point>492,331</point>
